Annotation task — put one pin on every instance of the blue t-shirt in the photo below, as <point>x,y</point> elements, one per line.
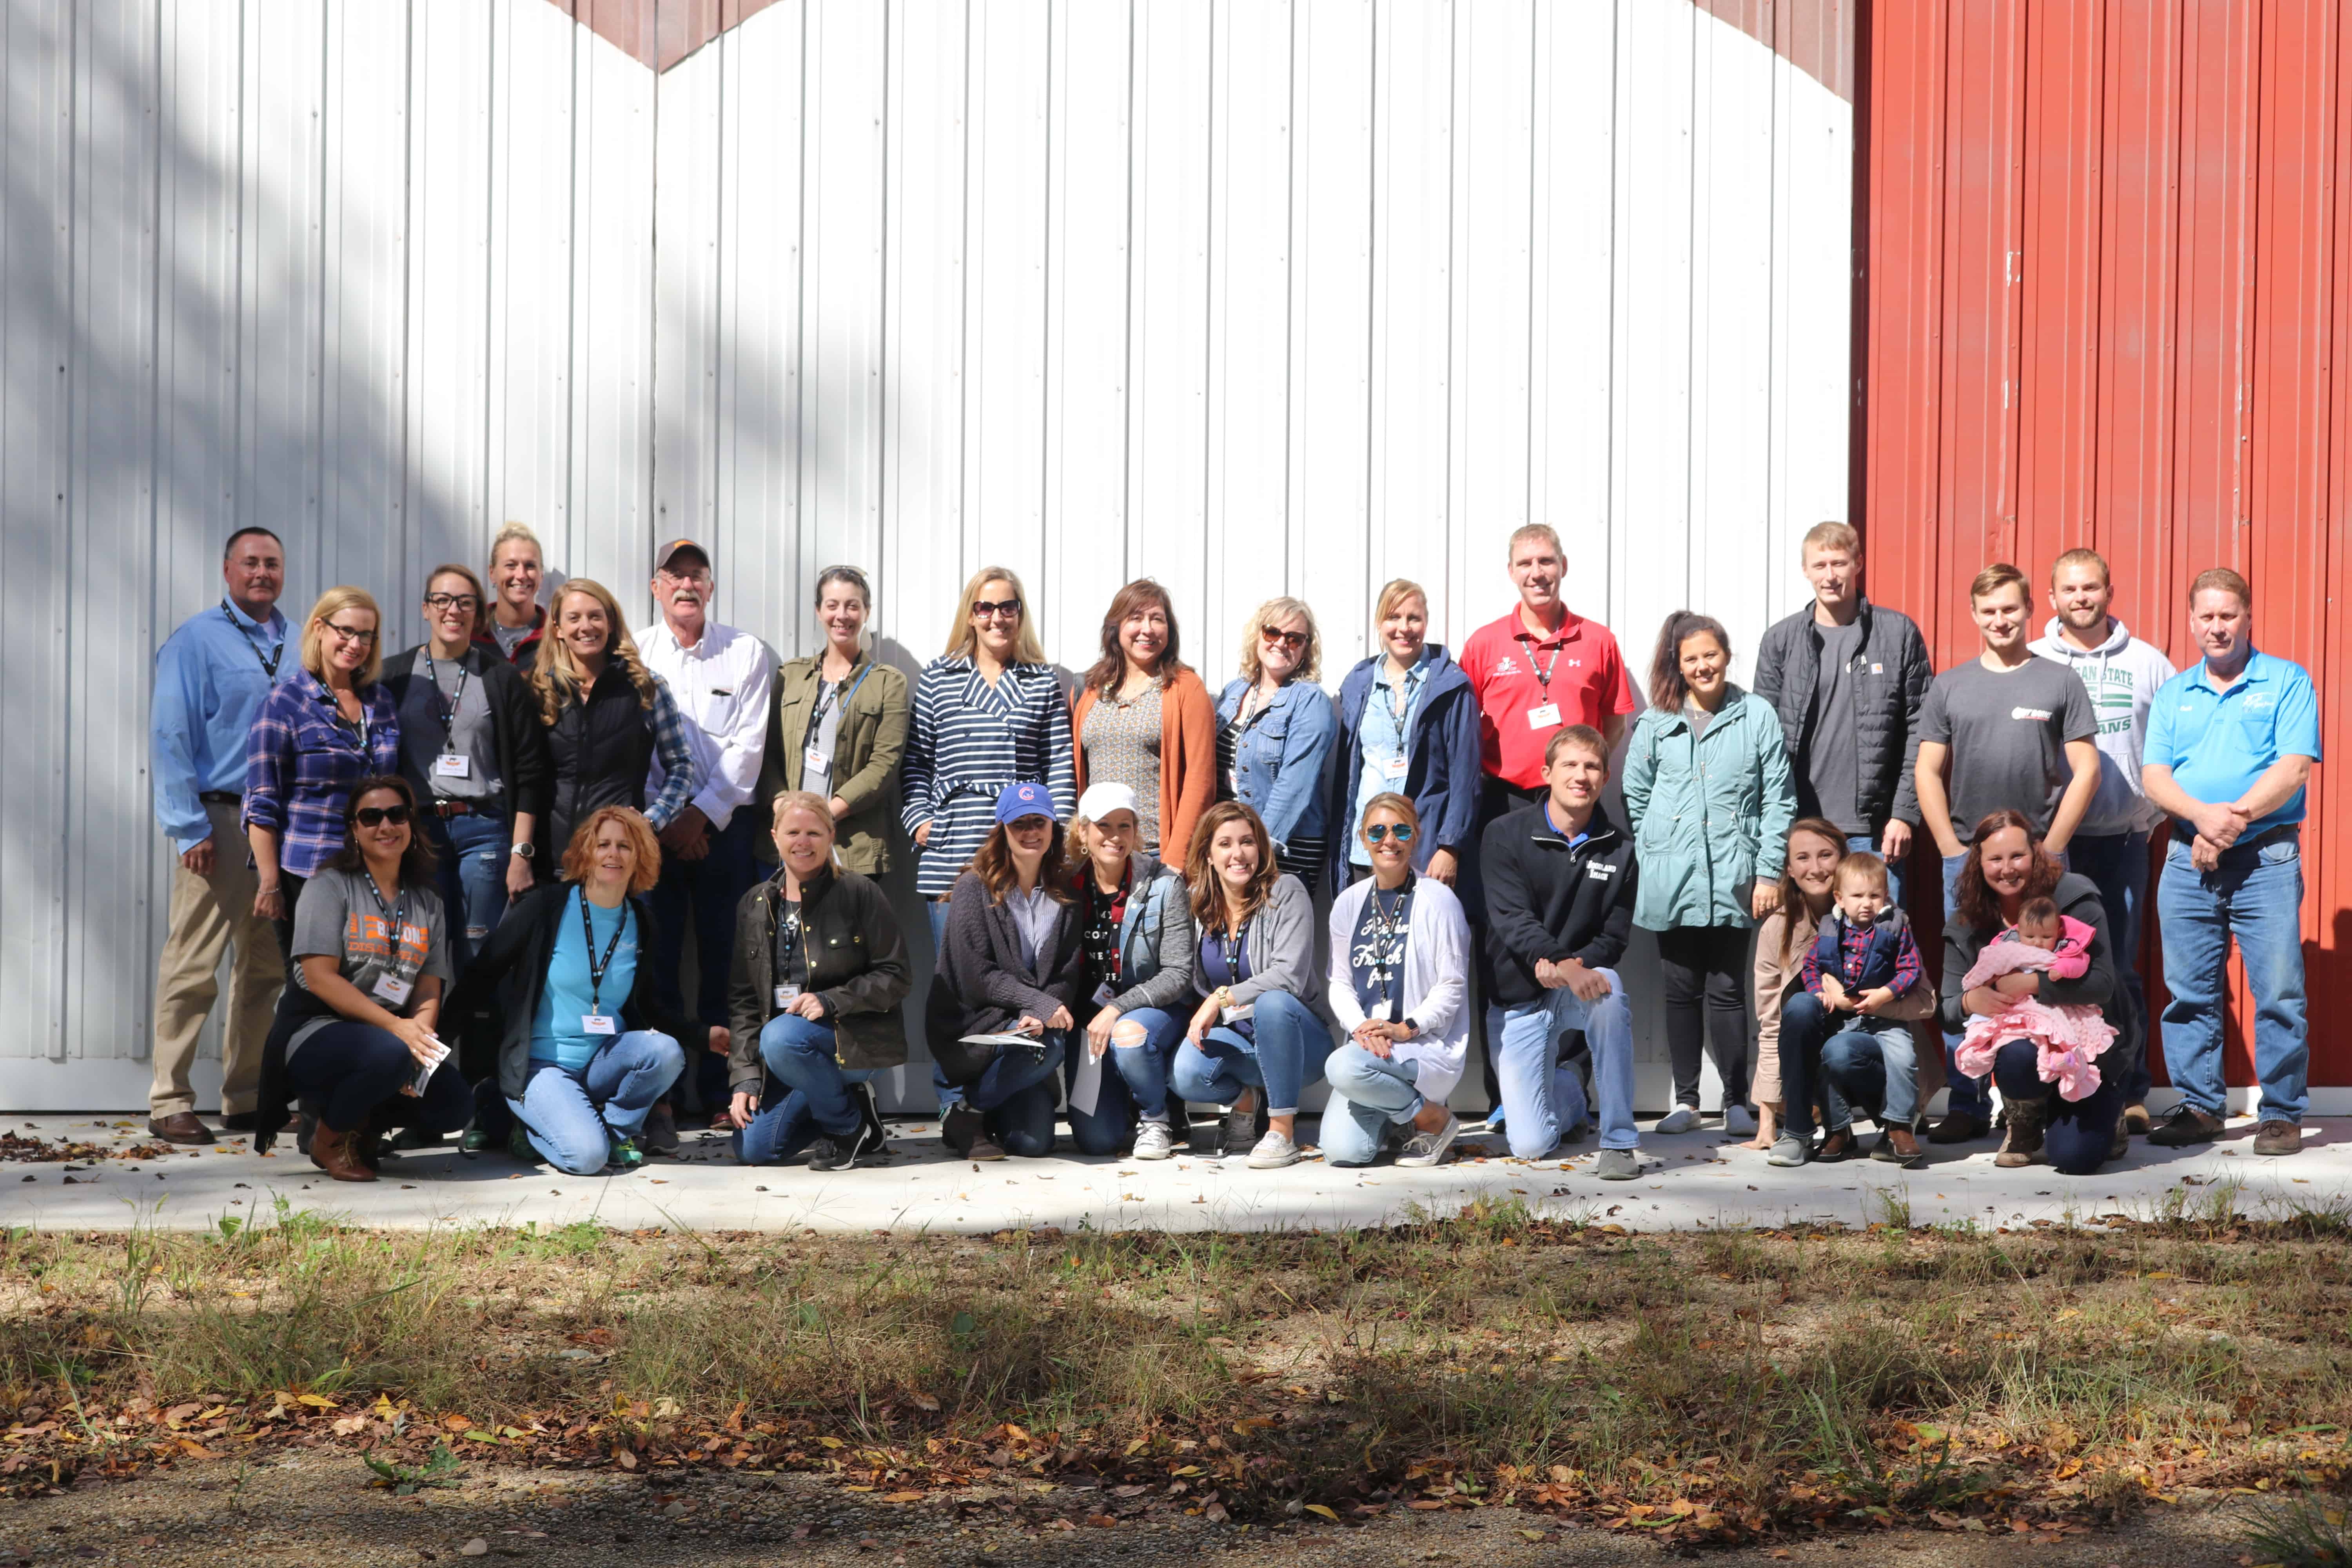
<point>1220,973</point>
<point>1376,956</point>
<point>2218,742</point>
<point>555,1032</point>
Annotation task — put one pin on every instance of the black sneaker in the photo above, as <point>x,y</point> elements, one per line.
<point>2185,1124</point>
<point>873,1137</point>
<point>834,1150</point>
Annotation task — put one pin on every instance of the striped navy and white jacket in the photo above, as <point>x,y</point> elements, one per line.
<point>966,741</point>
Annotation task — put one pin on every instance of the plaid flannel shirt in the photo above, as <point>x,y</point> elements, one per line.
<point>301,761</point>
<point>682,773</point>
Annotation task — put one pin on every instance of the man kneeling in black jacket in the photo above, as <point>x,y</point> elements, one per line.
<point>1559,902</point>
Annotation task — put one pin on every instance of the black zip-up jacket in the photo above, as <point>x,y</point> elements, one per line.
<point>602,750</point>
<point>516,736</point>
<point>1889,679</point>
<point>856,965</point>
<point>498,996</point>
<point>1549,898</point>
<point>982,986</point>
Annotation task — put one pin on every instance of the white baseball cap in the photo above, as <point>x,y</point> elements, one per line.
<point>1101,799</point>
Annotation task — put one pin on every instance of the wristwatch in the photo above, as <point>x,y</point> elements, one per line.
<point>524,849</point>
<point>1411,1029</point>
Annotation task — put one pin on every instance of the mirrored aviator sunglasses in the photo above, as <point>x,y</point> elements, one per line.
<point>377,815</point>
<point>1378,831</point>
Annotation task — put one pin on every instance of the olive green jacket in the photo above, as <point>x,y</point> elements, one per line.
<point>866,753</point>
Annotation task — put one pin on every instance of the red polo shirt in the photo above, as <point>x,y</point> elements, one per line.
<point>1508,665</point>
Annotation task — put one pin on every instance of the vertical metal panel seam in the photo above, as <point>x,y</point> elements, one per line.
<point>61,513</point>
<point>1047,280</point>
<point>965,557</point>
<point>492,102</point>
<point>143,1041</point>
<point>885,388</point>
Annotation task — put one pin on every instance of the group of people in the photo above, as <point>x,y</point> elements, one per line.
<point>478,860</point>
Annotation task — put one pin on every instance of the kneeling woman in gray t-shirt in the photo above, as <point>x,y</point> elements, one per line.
<point>355,1024</point>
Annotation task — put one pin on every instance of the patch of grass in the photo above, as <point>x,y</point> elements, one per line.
<point>2303,1532</point>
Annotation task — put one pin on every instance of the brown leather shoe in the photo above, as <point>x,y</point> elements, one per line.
<point>367,1144</point>
<point>965,1131</point>
<point>331,1152</point>
<point>2277,1138</point>
<point>180,1127</point>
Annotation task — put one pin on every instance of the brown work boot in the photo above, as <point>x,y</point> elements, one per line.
<point>331,1152</point>
<point>2277,1138</point>
<point>2023,1144</point>
<point>180,1127</point>
<point>367,1144</point>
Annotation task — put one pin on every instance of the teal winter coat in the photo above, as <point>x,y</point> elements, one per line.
<point>1710,814</point>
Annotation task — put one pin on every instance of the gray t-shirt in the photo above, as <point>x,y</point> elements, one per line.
<point>824,731</point>
<point>425,739</point>
<point>509,637</point>
<point>2008,735</point>
<point>1034,914</point>
<point>343,914</point>
<point>1832,759</point>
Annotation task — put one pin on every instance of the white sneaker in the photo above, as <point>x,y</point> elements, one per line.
<point>1681,1119</point>
<point>1273,1152</point>
<point>1739,1122</point>
<point>1154,1141</point>
<point>1429,1148</point>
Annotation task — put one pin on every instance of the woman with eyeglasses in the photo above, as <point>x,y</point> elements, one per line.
<point>608,717</point>
<point>1010,968</point>
<point>354,1042</point>
<point>515,624</point>
<point>838,728</point>
<point>1257,1038</point>
<point>1400,991</point>
<point>320,731</point>
<point>1275,733</point>
<point>1409,726</point>
<point>988,713</point>
<point>472,749</point>
<point>1145,719</point>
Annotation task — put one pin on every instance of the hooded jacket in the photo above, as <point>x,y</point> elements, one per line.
<point>1710,812</point>
<point>1549,898</point>
<point>2121,675</point>
<point>2077,898</point>
<point>1441,770</point>
<point>1888,679</point>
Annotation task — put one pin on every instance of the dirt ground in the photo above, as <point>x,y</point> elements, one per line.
<point>317,1507</point>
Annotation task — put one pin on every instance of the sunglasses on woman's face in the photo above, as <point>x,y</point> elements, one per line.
<point>1379,831</point>
<point>376,815</point>
<point>989,609</point>
<point>1293,641</point>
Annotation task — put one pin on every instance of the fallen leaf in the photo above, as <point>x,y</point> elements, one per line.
<point>1326,1512</point>
<point>1531,1535</point>
<point>904,1496</point>
<point>478,1547</point>
<point>1101,1521</point>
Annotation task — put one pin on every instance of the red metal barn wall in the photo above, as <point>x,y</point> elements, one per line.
<point>2106,269</point>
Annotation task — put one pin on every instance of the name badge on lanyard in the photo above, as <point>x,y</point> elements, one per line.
<point>597,1023</point>
<point>452,765</point>
<point>392,988</point>
<point>1544,716</point>
<point>786,995</point>
<point>817,759</point>
<point>1393,768</point>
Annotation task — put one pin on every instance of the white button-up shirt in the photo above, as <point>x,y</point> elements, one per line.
<point>722,685</point>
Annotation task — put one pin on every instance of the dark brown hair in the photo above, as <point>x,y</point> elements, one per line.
<point>1208,888</point>
<point>1977,905</point>
<point>417,861</point>
<point>1668,689</point>
<point>1792,897</point>
<point>580,855</point>
<point>2036,911</point>
<point>1111,668</point>
<point>994,865</point>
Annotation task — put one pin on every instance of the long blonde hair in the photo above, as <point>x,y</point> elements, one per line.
<point>1274,612</point>
<point>334,602</point>
<point>556,677</point>
<point>963,642</point>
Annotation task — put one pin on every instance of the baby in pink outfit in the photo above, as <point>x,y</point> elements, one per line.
<point>2069,1034</point>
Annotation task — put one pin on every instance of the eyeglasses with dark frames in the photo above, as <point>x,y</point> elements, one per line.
<point>452,601</point>
<point>349,634</point>
<point>377,815</point>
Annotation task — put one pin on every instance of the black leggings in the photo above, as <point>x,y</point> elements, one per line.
<point>1707,964</point>
<point>356,1069</point>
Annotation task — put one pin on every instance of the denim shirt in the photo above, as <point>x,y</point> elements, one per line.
<point>1382,738</point>
<point>1280,756</point>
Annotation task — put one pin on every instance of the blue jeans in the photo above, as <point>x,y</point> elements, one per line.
<point>1870,1065</point>
<point>800,1054</point>
<point>473,851</point>
<point>1370,1094</point>
<point>2117,863</point>
<point>1134,1082</point>
<point>1286,1056</point>
<point>1015,1096</point>
<point>705,893</point>
<point>2079,1132</point>
<point>2255,895</point>
<point>1968,1096</point>
<point>950,1095</point>
<point>350,1072</point>
<point>1805,1026</point>
<point>572,1114</point>
<point>1893,868</point>
<point>1543,1099</point>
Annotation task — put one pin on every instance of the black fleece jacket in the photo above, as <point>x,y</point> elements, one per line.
<point>1549,898</point>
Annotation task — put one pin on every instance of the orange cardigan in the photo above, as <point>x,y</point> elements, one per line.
<point>1188,758</point>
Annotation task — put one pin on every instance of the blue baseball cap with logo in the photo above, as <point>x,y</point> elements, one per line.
<point>1023,799</point>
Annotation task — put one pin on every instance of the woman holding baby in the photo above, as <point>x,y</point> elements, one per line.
<point>2028,970</point>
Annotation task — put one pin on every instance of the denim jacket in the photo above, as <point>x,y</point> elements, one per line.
<point>1279,760</point>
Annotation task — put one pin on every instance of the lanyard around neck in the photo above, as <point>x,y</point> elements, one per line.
<point>455,702</point>
<point>269,661</point>
<point>597,967</point>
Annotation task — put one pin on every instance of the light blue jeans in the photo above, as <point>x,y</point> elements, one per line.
<point>1541,1100</point>
<point>1370,1095</point>
<point>2255,894</point>
<point>1287,1055</point>
<point>474,850</point>
<point>568,1112</point>
<point>1870,1065</point>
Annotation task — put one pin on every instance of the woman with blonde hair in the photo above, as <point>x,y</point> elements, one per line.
<point>608,717</point>
<point>1275,731</point>
<point>515,623</point>
<point>1408,725</point>
<point>1145,719</point>
<point>561,1003</point>
<point>320,731</point>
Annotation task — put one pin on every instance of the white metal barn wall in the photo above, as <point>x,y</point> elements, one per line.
<point>1256,296</point>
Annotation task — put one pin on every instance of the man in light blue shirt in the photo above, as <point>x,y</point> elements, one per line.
<point>2230,747</point>
<point>211,676</point>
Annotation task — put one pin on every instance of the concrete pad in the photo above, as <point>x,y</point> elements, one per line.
<point>1688,1181</point>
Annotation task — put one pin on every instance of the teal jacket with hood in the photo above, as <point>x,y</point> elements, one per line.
<point>1710,812</point>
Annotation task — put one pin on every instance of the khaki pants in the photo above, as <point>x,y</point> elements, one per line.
<point>209,915</point>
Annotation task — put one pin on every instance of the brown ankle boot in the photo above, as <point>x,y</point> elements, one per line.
<point>2023,1144</point>
<point>331,1152</point>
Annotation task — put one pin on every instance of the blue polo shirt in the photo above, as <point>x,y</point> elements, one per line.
<point>2218,742</point>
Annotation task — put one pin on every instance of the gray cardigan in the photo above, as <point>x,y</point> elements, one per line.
<point>1281,951</point>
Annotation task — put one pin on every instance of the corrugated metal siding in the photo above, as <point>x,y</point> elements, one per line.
<point>1290,295</point>
<point>2108,268</point>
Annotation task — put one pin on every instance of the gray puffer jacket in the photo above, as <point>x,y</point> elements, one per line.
<point>1889,679</point>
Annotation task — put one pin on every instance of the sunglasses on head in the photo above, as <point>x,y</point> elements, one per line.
<point>1293,641</point>
<point>986,609</point>
<point>376,815</point>
<point>1378,831</point>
